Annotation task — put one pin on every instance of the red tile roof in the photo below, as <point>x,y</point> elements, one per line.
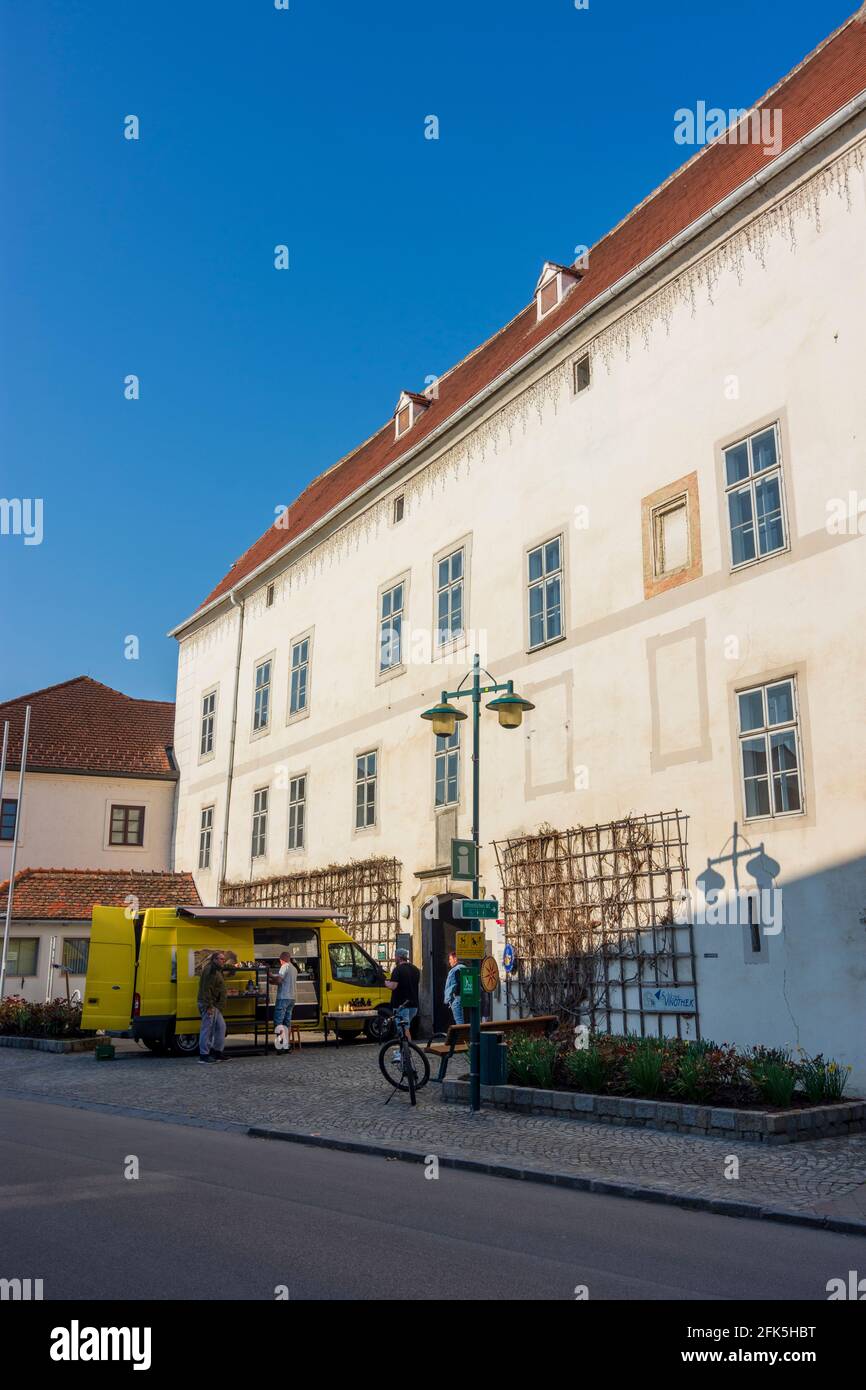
<point>826,81</point>
<point>84,726</point>
<point>53,894</point>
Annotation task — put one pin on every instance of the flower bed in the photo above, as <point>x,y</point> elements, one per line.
<point>696,1073</point>
<point>56,1019</point>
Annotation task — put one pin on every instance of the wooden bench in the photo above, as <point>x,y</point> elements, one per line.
<point>456,1040</point>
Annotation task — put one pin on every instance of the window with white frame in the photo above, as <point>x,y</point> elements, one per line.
<point>297,812</point>
<point>769,734</point>
<point>391,627</point>
<point>299,676</point>
<point>755,499</point>
<point>262,697</point>
<point>671,545</point>
<point>366,765</point>
<point>544,578</point>
<point>208,723</point>
<point>205,837</point>
<point>260,823</point>
<point>447,758</point>
<point>449,598</point>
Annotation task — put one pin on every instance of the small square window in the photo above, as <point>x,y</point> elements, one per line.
<point>398,511</point>
<point>127,826</point>
<point>582,375</point>
<point>404,419</point>
<point>269,596</point>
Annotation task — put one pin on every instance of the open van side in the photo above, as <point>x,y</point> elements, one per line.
<point>143,971</point>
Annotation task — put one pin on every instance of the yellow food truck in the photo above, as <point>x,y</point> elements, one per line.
<point>143,971</point>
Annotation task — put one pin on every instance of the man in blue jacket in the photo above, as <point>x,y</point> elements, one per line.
<point>452,987</point>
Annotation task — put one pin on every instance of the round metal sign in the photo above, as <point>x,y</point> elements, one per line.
<point>489,974</point>
<point>508,959</point>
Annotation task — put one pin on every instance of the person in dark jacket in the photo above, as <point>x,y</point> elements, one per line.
<point>211,1006</point>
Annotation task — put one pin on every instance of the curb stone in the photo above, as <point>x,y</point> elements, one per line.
<point>603,1186</point>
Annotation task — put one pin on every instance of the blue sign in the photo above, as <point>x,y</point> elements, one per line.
<point>508,959</point>
<point>669,999</point>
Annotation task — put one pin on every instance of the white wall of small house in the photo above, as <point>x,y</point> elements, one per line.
<point>635,706</point>
<point>46,982</point>
<point>66,819</point>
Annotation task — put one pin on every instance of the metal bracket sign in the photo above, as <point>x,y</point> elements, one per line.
<point>464,860</point>
<point>474,908</point>
<point>470,946</point>
<point>669,999</point>
<point>508,958</point>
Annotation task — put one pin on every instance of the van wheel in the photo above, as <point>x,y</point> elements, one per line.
<point>380,1028</point>
<point>183,1044</point>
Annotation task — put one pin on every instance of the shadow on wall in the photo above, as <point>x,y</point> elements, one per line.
<point>781,958</point>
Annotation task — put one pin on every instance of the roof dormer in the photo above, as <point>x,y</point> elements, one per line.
<point>409,407</point>
<point>554,283</point>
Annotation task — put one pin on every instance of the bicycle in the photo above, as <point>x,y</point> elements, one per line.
<point>402,1063</point>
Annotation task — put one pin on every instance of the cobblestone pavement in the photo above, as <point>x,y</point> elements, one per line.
<point>339,1093</point>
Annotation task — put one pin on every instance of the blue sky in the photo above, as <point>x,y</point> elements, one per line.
<point>304,127</point>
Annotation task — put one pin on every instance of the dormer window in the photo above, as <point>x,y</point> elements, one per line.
<point>554,283</point>
<point>409,407</point>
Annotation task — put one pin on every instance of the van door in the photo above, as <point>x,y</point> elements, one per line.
<point>110,979</point>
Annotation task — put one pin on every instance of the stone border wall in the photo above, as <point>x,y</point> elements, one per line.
<point>49,1044</point>
<point>756,1126</point>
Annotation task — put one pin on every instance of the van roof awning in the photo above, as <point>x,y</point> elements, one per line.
<point>261,914</point>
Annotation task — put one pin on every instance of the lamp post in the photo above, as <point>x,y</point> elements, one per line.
<point>510,708</point>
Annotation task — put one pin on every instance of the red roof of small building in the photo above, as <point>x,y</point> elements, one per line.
<point>58,894</point>
<point>84,726</point>
<point>821,85</point>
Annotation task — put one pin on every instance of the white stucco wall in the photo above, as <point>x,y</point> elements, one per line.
<point>65,822</point>
<point>790,329</point>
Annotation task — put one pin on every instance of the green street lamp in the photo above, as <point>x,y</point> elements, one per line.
<point>510,709</point>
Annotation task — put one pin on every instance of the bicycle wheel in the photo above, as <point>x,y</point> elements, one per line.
<point>391,1066</point>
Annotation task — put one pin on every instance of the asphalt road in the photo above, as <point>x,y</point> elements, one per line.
<point>217,1215</point>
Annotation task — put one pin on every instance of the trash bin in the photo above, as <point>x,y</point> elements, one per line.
<point>494,1059</point>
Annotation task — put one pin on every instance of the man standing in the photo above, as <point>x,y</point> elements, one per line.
<point>211,1003</point>
<point>403,985</point>
<point>286,980</point>
<point>452,987</point>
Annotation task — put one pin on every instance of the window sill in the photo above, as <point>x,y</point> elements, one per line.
<point>543,646</point>
<point>391,673</point>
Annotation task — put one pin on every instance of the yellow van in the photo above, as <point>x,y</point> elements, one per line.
<point>143,971</point>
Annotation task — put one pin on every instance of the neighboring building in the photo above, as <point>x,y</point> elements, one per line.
<point>639,500</point>
<point>100,780</point>
<point>49,938</point>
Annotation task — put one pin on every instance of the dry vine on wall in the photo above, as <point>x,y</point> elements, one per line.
<point>591,914</point>
<point>367,891</point>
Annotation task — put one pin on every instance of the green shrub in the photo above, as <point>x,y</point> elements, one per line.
<point>645,1067</point>
<point>822,1081</point>
<point>56,1019</point>
<point>586,1070</point>
<point>531,1061</point>
<point>775,1082</point>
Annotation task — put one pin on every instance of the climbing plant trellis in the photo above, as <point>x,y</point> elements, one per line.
<point>592,914</point>
<point>366,890</point>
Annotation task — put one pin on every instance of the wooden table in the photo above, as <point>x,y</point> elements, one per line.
<point>336,1016</point>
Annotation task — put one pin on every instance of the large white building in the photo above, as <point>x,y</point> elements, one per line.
<point>643,501</point>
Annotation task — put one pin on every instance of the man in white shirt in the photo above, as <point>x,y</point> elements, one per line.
<point>286,981</point>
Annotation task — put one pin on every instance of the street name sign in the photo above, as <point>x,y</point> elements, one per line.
<point>468,908</point>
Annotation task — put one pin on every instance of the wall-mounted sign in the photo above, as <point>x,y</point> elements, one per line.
<point>474,908</point>
<point>669,999</point>
<point>508,959</point>
<point>464,860</point>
